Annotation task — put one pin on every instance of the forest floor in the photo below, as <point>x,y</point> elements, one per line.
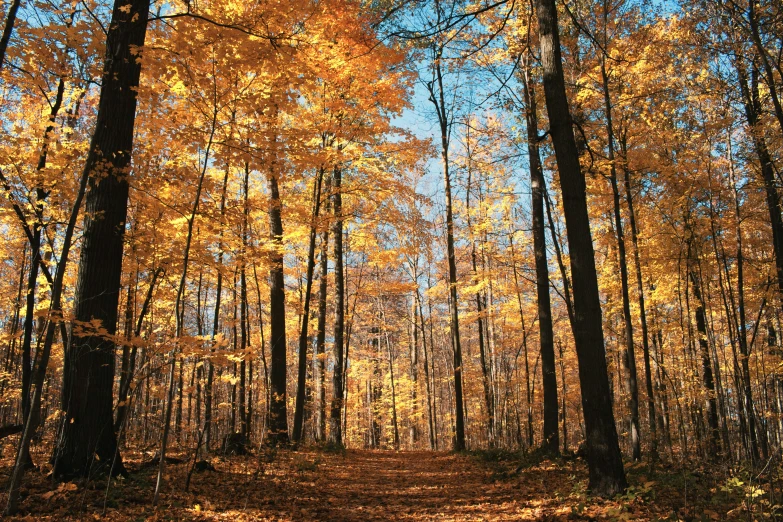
<point>359,485</point>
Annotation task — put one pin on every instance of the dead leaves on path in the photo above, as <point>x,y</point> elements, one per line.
<point>360,486</point>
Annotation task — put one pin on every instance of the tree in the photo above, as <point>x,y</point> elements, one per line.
<point>89,364</point>
<point>607,476</point>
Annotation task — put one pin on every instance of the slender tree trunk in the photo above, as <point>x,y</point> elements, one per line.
<point>335,417</point>
<point>8,29</point>
<point>244,418</point>
<point>752,105</point>
<point>303,338</point>
<point>607,476</point>
<point>395,425</point>
<point>761,52</point>
<point>742,334</point>
<point>629,357</point>
<point>320,347</point>
<point>430,407</point>
<point>179,314</point>
<point>559,257</point>
<point>551,442</point>
<point>208,389</point>
<point>707,378</point>
<point>485,375</point>
<point>414,373</point>
<point>277,432</point>
<point>439,101</point>
<point>125,385</point>
<point>642,311</point>
<point>55,317</point>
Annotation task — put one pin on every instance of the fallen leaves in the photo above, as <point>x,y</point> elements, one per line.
<point>375,486</point>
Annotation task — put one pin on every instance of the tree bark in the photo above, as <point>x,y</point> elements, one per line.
<point>335,416</point>
<point>437,97</point>
<point>629,357</point>
<point>320,348</point>
<point>551,442</point>
<point>88,378</point>
<point>277,432</point>
<point>302,370</point>
<point>607,476</point>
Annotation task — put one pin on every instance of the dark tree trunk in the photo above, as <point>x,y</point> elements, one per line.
<point>414,357</point>
<point>607,476</point>
<point>88,375</point>
<point>706,362</point>
<point>437,97</point>
<point>335,417</point>
<point>751,99</point>
<point>629,357</point>
<point>430,413</point>
<point>244,416</point>
<point>216,321</point>
<point>551,441</point>
<point>277,432</point>
<point>742,333</point>
<point>303,338</point>
<point>485,373</point>
<point>10,20</point>
<point>320,349</point>
<point>642,311</point>
<point>761,53</point>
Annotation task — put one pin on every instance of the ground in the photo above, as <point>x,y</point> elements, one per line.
<point>357,485</point>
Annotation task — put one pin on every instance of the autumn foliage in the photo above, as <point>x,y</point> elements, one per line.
<point>550,229</point>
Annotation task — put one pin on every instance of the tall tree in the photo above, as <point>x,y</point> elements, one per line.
<point>551,441</point>
<point>607,476</point>
<point>437,95</point>
<point>277,431</point>
<point>335,416</point>
<point>629,357</point>
<point>303,338</point>
<point>89,361</point>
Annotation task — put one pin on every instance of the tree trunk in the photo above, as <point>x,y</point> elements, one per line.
<point>629,357</point>
<point>88,375</point>
<point>414,373</point>
<point>208,389</point>
<point>642,311</point>
<point>485,376</point>
<point>751,101</point>
<point>439,101</point>
<point>320,348</point>
<point>277,432</point>
<point>302,370</point>
<point>607,476</point>
<point>55,310</point>
<point>335,417</point>
<point>551,442</point>
<point>244,418</point>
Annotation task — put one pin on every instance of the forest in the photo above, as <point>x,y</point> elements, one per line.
<point>391,260</point>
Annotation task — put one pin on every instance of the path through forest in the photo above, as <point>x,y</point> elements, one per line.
<point>359,485</point>
<point>410,486</point>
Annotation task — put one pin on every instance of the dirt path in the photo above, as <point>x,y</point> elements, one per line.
<point>378,485</point>
<point>414,486</point>
<point>352,486</point>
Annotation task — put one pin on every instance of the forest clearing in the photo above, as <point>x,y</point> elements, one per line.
<point>391,259</point>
